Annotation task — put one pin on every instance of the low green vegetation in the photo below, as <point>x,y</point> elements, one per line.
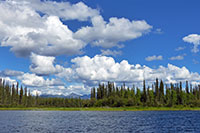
<point>158,95</point>
<point>103,109</point>
<point>108,97</point>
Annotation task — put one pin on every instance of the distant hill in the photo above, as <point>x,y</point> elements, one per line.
<point>71,95</point>
<point>86,96</point>
<point>52,96</point>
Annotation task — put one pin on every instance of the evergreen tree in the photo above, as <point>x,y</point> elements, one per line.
<point>161,96</point>
<point>110,95</point>
<point>144,94</point>
<point>157,90</point>
<point>187,87</point>
<point>13,95</point>
<point>151,98</point>
<point>133,95</point>
<point>180,97</point>
<point>29,102</point>
<point>37,99</point>
<point>117,92</point>
<point>17,94</point>
<point>25,97</point>
<point>173,97</point>
<point>168,97</point>
<point>7,94</point>
<point>3,92</point>
<point>138,97</point>
<point>21,95</point>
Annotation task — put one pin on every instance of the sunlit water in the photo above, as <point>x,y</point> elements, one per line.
<point>95,121</point>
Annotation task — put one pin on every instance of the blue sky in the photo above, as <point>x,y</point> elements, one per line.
<point>59,47</point>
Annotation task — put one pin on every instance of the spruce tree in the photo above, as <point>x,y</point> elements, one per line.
<point>138,97</point>
<point>13,95</point>
<point>161,90</point>
<point>157,90</point>
<point>144,96</point>
<point>187,87</point>
<point>168,97</point>
<point>21,95</point>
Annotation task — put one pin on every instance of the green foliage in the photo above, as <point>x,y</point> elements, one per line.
<point>107,96</point>
<point>173,98</point>
<point>160,96</point>
<point>168,97</point>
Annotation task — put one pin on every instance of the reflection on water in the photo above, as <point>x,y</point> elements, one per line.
<point>95,121</point>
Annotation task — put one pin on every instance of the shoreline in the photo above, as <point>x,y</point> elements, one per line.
<point>101,109</point>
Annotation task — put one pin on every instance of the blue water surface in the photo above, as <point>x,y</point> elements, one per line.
<point>99,122</point>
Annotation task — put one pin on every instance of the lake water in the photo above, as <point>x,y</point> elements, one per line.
<point>96,122</point>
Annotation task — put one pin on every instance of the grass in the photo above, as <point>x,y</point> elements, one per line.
<point>103,109</point>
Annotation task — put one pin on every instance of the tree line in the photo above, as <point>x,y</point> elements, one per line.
<point>15,96</point>
<point>157,95</point>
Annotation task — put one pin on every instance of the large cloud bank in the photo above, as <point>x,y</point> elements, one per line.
<point>35,26</point>
<point>87,72</point>
<point>37,30</point>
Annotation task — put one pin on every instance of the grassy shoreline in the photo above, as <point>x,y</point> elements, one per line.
<point>103,109</point>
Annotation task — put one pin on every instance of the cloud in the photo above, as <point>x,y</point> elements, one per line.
<point>61,90</point>
<point>180,48</point>
<point>32,80</point>
<point>158,31</point>
<point>65,10</point>
<point>67,74</point>
<point>195,40</point>
<point>79,89</point>
<point>44,65</point>
<point>112,33</point>
<point>178,57</point>
<point>91,71</point>
<point>25,31</point>
<point>101,68</point>
<point>9,80</point>
<point>35,26</point>
<point>86,72</point>
<point>153,58</point>
<point>36,92</point>
<point>109,52</point>
<point>10,73</point>
<point>195,61</point>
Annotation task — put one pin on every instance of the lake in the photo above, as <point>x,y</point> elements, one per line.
<point>96,121</point>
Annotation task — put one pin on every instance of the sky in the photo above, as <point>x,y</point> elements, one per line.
<point>62,46</point>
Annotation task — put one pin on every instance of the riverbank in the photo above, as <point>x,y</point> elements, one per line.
<point>104,109</point>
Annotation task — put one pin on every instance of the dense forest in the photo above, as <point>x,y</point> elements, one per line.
<point>158,95</point>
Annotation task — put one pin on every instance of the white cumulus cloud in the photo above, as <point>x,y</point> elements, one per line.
<point>86,72</point>
<point>195,40</point>
<point>180,48</point>
<point>36,92</point>
<point>112,33</point>
<point>154,57</point>
<point>178,57</point>
<point>36,26</point>
<point>65,10</point>
<point>25,31</point>
<point>9,80</point>
<point>44,65</point>
<point>91,71</point>
<point>32,80</point>
<point>10,73</point>
<point>110,52</point>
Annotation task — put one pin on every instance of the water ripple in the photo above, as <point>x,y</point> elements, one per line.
<point>98,122</point>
